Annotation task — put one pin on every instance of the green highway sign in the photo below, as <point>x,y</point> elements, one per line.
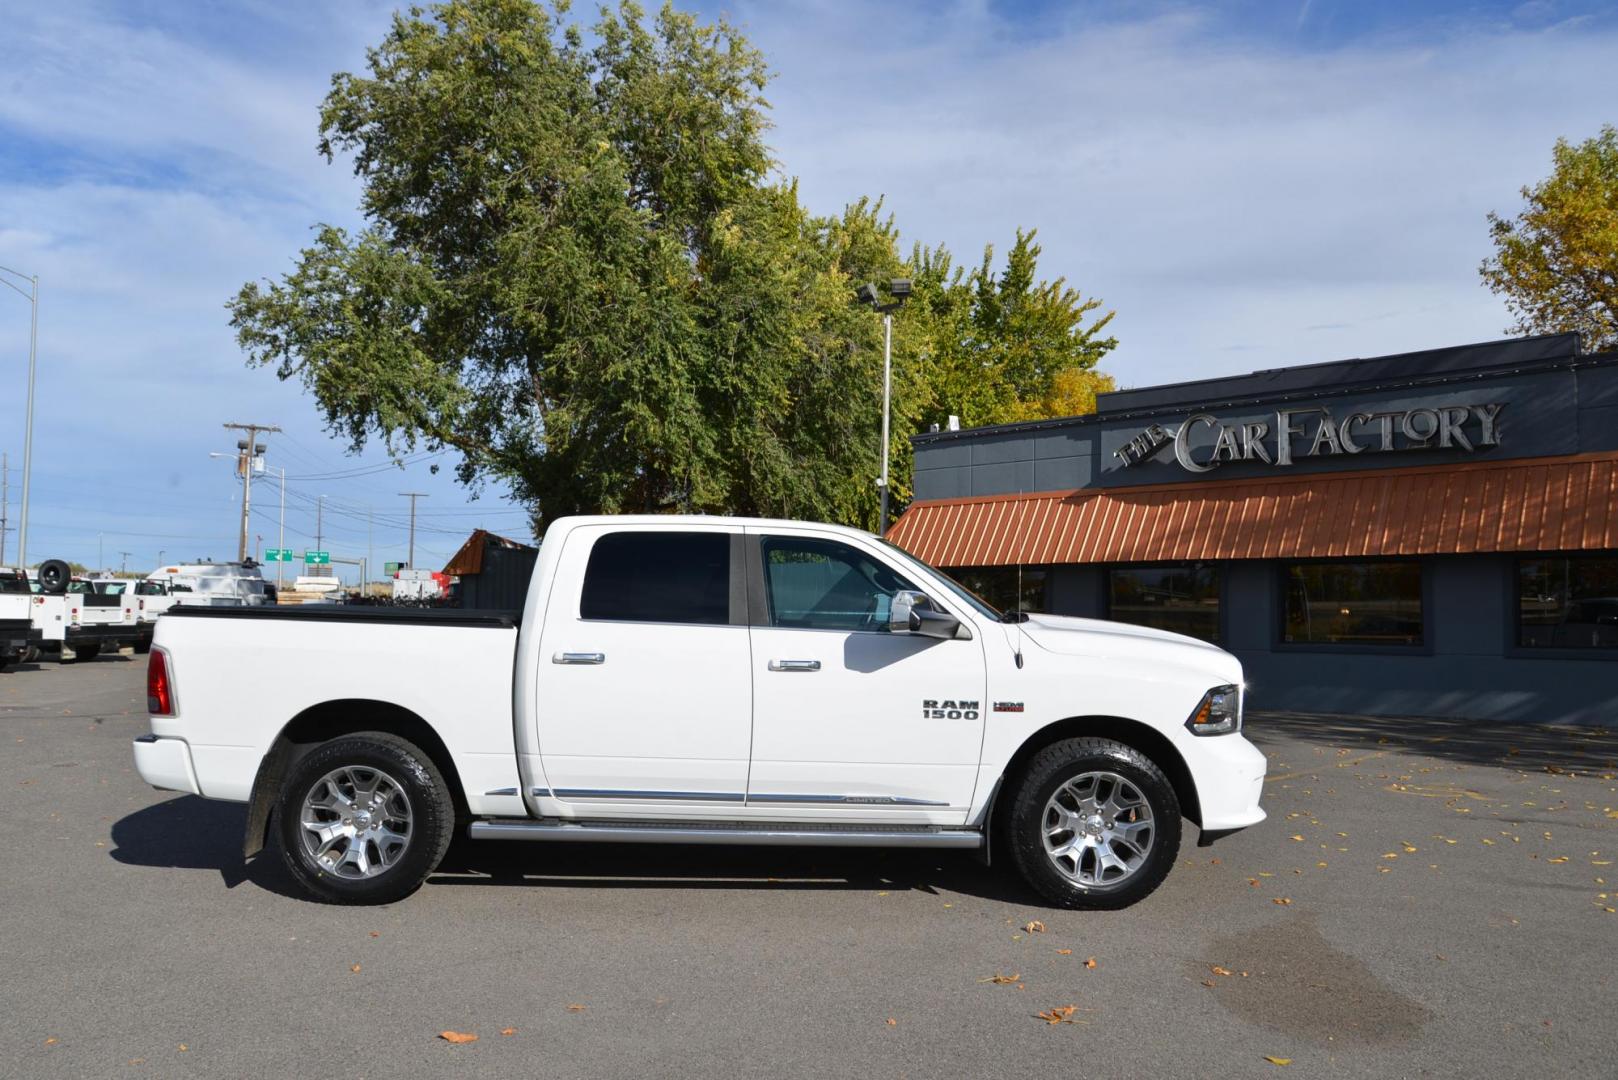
<point>278,555</point>
<point>317,558</point>
<point>393,567</point>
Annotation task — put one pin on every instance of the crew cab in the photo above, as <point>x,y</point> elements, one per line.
<point>705,680</point>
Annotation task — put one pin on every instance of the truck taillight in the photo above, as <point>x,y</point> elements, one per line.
<point>159,690</point>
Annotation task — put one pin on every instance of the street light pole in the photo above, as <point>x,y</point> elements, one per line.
<point>250,453</point>
<point>899,289</point>
<point>28,437</point>
<point>281,541</point>
<point>887,398</point>
<point>413,496</point>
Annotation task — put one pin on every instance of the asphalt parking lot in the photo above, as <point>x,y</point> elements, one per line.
<point>1425,900</point>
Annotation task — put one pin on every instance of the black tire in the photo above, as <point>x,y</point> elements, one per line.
<point>143,646</point>
<point>1023,824</point>
<point>431,822</point>
<point>54,576</point>
<point>86,652</point>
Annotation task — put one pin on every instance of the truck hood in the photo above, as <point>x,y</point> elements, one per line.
<point>1069,636</point>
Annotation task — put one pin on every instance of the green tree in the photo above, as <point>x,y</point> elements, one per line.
<point>1556,262</point>
<point>578,272</point>
<point>1002,343</point>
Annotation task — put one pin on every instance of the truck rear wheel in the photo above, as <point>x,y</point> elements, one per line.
<point>364,819</point>
<point>1092,823</point>
<point>86,652</point>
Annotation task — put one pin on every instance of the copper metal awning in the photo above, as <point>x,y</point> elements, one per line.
<point>1537,504</point>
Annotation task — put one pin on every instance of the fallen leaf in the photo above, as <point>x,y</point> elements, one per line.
<point>1090,963</point>
<point>1253,881</point>
<point>448,1036</point>
<point>375,934</point>
<point>1283,900</point>
<point>1064,952</point>
<point>1558,859</point>
<point>184,1048</point>
<point>1035,927</point>
<point>1217,970</point>
<point>1001,980</point>
<point>1207,982</point>
<point>1059,1014</point>
<point>575,1008</point>
<point>508,1031</point>
<point>355,969</point>
<point>1295,836</point>
<point>1277,1060</point>
<point>892,1022</point>
<point>51,1041</point>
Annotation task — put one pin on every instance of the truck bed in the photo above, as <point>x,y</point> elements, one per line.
<point>355,613</point>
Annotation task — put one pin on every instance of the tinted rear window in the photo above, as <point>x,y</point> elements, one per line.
<point>670,577</point>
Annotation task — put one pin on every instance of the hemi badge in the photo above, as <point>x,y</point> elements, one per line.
<point>1008,706</point>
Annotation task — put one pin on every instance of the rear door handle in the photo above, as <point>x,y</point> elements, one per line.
<point>579,658</point>
<point>794,665</point>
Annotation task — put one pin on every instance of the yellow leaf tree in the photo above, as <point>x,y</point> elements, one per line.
<point>1556,262</point>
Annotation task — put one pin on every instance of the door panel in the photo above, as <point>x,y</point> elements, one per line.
<point>639,713</point>
<point>877,725</point>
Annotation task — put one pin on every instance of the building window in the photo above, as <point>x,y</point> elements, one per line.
<point>1568,603</point>
<point>1184,599</point>
<point>1353,603</point>
<point>1008,588</point>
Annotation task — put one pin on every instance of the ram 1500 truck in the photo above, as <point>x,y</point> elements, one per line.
<point>705,680</point>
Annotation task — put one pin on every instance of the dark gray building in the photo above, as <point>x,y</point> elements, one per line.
<point>1433,533</point>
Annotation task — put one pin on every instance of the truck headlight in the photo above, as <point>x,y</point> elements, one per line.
<point>1219,713</point>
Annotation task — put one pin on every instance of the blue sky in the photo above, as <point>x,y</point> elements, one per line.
<point>1249,185</point>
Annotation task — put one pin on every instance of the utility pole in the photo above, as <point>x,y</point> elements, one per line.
<point>413,496</point>
<point>5,501</point>
<point>101,559</point>
<point>32,296</point>
<point>251,451</point>
<point>123,565</point>
<point>281,541</point>
<point>320,512</point>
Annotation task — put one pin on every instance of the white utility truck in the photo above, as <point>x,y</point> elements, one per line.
<point>18,635</point>
<point>151,599</point>
<point>705,680</point>
<point>71,616</point>
<point>212,584</point>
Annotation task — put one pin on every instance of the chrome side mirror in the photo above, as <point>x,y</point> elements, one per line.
<point>913,613</point>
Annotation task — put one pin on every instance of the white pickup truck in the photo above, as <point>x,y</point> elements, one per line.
<point>704,680</point>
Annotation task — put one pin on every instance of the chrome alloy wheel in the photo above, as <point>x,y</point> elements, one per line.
<point>355,822</point>
<point>1098,829</point>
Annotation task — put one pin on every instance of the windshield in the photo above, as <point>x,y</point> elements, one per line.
<point>13,583</point>
<point>150,588</point>
<point>111,588</point>
<point>981,606</point>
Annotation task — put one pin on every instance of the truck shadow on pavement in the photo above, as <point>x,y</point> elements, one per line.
<point>193,833</point>
<point>660,866</point>
<point>1528,747</point>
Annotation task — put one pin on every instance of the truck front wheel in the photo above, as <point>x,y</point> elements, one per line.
<point>1092,823</point>
<point>364,819</point>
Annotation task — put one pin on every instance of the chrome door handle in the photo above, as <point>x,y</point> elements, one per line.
<point>579,658</point>
<point>794,665</point>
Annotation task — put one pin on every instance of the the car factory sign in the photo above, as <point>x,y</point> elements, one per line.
<point>1314,431</point>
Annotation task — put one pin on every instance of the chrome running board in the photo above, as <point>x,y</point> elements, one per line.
<point>797,835</point>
